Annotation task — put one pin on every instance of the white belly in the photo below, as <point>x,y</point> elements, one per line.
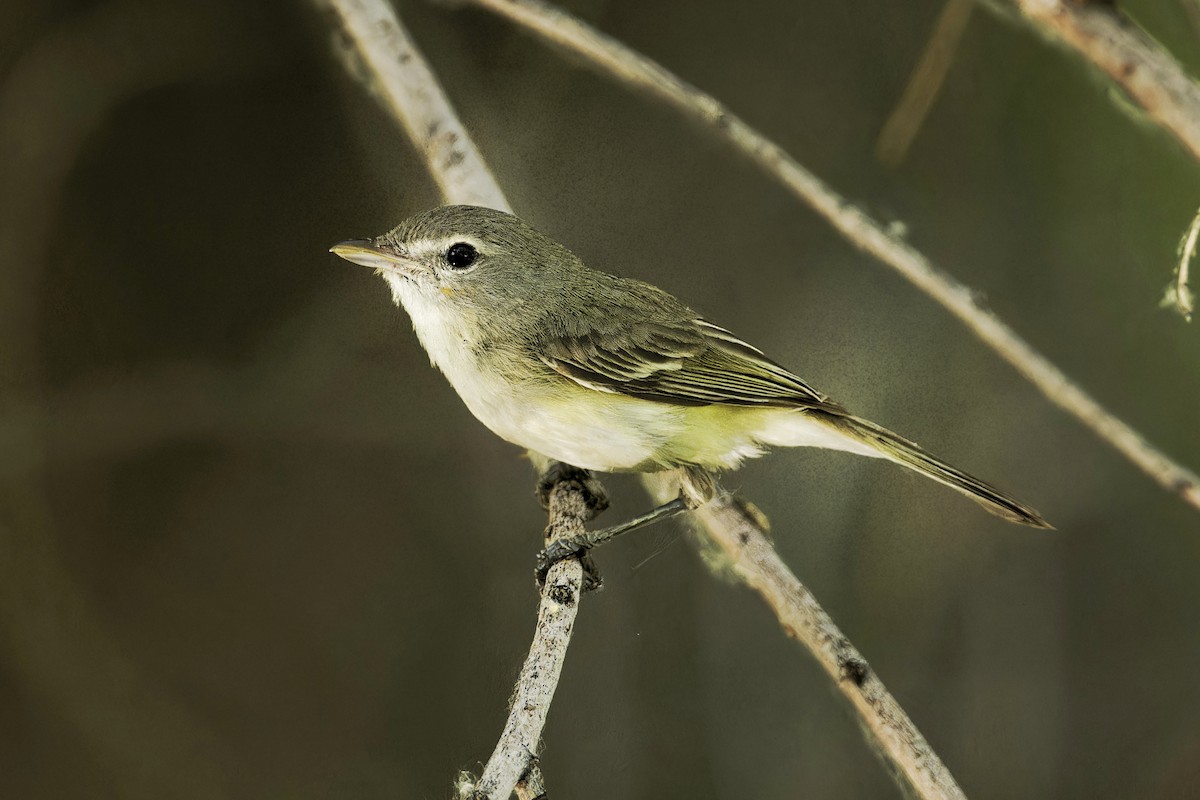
<point>577,426</point>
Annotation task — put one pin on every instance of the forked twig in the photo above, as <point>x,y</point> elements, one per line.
<point>612,57</point>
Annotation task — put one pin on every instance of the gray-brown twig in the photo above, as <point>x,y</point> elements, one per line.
<point>612,57</point>
<point>1111,42</point>
<point>516,751</point>
<point>738,532</point>
<point>400,77</point>
<point>1179,294</point>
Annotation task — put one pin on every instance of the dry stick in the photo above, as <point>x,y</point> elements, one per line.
<point>408,88</point>
<point>728,522</point>
<point>1116,46</point>
<point>515,752</point>
<point>402,80</point>
<point>863,232</point>
<point>925,84</point>
<point>1178,295</point>
<point>739,532</point>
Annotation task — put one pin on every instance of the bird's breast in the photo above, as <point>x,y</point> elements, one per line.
<point>562,420</point>
<point>525,402</point>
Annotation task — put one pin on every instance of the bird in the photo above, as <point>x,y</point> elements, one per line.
<point>609,373</point>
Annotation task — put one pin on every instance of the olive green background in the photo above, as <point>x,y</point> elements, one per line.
<point>252,546</point>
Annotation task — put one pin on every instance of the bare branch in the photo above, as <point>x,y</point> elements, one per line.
<point>1178,295</point>
<point>925,84</point>
<point>738,531</point>
<point>863,232</point>
<point>407,87</point>
<point>518,746</point>
<point>1114,44</point>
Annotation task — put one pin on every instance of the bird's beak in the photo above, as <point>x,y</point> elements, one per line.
<point>368,254</point>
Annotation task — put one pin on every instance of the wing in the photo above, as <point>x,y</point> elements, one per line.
<point>688,361</point>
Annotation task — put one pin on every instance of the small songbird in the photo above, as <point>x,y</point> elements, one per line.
<point>609,373</point>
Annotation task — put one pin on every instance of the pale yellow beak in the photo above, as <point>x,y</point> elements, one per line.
<point>367,254</point>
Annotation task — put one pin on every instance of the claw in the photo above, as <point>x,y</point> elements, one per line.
<point>560,550</point>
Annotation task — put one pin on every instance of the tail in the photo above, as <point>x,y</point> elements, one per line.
<point>904,452</point>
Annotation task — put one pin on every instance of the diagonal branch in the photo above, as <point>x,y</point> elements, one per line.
<point>401,79</point>
<point>728,522</point>
<point>738,531</point>
<point>1105,37</point>
<point>610,56</point>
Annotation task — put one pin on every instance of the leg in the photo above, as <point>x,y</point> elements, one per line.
<point>697,487</point>
<point>553,472</point>
<point>570,545</point>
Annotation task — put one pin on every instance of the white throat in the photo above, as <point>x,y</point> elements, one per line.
<point>447,346</point>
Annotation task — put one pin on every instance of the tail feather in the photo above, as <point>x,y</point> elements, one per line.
<point>902,451</point>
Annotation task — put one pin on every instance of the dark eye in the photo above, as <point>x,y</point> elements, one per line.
<point>461,255</point>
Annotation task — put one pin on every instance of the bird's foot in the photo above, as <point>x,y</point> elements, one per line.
<point>562,549</point>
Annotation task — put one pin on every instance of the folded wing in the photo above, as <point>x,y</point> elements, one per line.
<point>687,362</point>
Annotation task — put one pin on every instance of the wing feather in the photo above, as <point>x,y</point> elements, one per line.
<point>690,362</point>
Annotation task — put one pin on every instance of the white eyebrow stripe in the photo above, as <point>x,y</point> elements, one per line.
<point>429,247</point>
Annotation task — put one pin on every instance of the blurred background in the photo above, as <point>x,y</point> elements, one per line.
<point>251,545</point>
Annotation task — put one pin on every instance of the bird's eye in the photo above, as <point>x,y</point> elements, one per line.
<point>461,255</point>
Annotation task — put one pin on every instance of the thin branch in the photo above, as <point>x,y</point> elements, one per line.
<point>1178,295</point>
<point>925,84</point>
<point>1114,44</point>
<point>402,80</point>
<point>739,532</point>
<point>516,751</point>
<point>614,58</point>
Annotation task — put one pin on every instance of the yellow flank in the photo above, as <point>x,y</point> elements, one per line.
<point>731,433</point>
